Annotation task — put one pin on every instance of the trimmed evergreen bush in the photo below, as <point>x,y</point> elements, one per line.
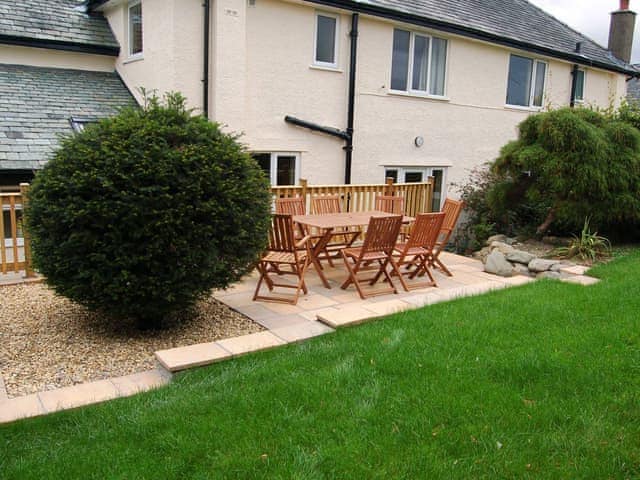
<point>142,213</point>
<point>567,165</point>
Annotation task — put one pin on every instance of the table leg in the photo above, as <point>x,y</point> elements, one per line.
<point>317,249</point>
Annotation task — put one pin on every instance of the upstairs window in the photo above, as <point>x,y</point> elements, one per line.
<point>135,28</point>
<point>525,87</point>
<point>579,93</point>
<point>418,64</point>
<point>326,41</point>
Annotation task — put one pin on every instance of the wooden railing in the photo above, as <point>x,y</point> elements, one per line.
<point>15,249</point>
<point>360,198</point>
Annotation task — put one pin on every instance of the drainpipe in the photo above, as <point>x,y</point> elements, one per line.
<point>205,61</point>
<point>352,95</point>
<point>574,80</point>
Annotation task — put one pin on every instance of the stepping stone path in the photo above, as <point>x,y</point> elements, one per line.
<point>318,313</point>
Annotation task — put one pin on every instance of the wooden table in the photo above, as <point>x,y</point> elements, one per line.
<point>327,223</point>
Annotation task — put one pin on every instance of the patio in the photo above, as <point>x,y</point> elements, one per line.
<point>338,308</point>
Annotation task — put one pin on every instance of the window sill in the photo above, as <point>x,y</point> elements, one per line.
<point>133,58</point>
<point>400,93</point>
<point>520,108</point>
<point>325,68</point>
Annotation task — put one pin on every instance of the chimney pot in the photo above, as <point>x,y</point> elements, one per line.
<point>624,4</point>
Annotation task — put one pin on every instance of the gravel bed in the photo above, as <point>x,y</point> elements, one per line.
<point>47,341</point>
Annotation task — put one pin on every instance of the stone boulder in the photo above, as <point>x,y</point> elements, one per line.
<point>541,265</point>
<point>549,274</point>
<point>497,238</point>
<point>519,256</point>
<point>501,247</point>
<point>497,264</point>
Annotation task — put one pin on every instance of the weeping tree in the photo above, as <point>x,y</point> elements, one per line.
<point>573,164</point>
<point>141,214</point>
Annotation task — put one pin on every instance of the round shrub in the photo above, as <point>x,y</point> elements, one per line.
<point>142,213</point>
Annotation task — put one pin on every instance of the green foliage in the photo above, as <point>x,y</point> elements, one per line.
<point>569,164</point>
<point>142,213</point>
<point>588,246</point>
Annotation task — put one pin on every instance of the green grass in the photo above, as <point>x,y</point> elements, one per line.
<point>541,381</point>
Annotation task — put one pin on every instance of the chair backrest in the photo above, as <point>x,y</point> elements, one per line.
<point>451,209</point>
<point>425,230</point>
<point>281,235</point>
<point>326,204</point>
<point>291,206</point>
<point>390,204</point>
<point>382,234</point>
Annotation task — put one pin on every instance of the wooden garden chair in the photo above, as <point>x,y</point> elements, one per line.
<point>418,249</point>
<point>382,234</point>
<point>390,204</point>
<point>283,249</point>
<point>293,206</point>
<point>451,210</point>
<point>344,238</point>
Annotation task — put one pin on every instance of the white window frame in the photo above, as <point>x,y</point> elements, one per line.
<point>532,87</point>
<point>426,173</point>
<point>336,49</point>
<point>273,166</point>
<point>410,90</point>
<point>584,86</point>
<point>139,54</point>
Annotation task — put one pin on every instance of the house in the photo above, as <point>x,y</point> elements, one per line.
<point>57,72</point>
<point>351,91</point>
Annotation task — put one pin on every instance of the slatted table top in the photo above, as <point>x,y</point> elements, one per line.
<point>345,219</point>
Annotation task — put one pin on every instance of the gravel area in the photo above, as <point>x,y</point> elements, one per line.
<point>47,341</point>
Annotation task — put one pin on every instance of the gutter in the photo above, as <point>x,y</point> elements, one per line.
<point>112,51</point>
<point>377,11</point>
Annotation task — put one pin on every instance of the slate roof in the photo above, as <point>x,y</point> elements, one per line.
<point>56,21</point>
<point>37,104</point>
<point>509,22</point>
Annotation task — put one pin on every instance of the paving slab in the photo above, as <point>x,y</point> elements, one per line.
<point>78,395</point>
<point>279,321</point>
<point>3,390</point>
<point>141,382</point>
<point>176,359</point>
<point>389,307</point>
<point>21,407</point>
<point>253,342</point>
<point>581,280</point>
<point>341,316</point>
<point>575,270</point>
<point>302,331</point>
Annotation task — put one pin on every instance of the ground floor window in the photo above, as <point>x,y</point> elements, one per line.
<point>282,168</point>
<point>420,174</point>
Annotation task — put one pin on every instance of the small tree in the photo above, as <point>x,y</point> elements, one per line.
<point>142,213</point>
<point>575,163</point>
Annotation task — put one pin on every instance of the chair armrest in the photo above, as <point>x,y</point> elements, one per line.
<point>303,241</point>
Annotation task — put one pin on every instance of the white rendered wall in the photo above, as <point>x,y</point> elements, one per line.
<point>172,58</point>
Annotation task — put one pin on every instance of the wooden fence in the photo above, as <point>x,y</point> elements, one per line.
<point>361,198</point>
<point>15,250</point>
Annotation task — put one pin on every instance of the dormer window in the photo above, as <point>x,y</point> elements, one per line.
<point>135,28</point>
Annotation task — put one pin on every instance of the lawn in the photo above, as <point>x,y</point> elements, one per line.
<point>540,381</point>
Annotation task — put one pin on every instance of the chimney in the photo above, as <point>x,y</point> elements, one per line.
<point>623,22</point>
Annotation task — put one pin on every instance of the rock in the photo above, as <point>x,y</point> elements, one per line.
<point>498,265</point>
<point>541,265</point>
<point>551,275</point>
<point>519,269</point>
<point>518,256</point>
<point>511,241</point>
<point>501,247</point>
<point>556,267</point>
<point>497,238</point>
<point>482,254</point>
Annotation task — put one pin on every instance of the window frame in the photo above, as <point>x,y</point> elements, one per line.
<point>273,165</point>
<point>584,84</point>
<point>532,86</point>
<point>336,41</point>
<point>130,54</point>
<point>427,171</point>
<point>410,90</point>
